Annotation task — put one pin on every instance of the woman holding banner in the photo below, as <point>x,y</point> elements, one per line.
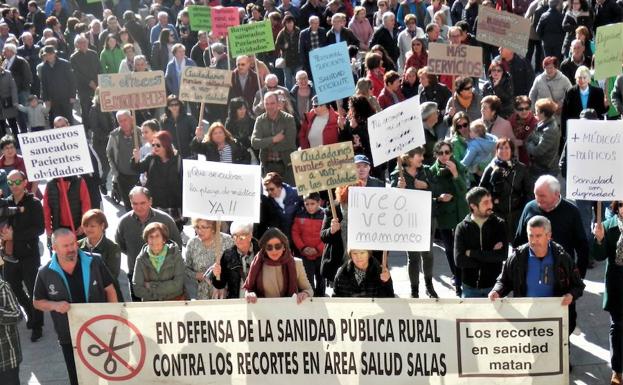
<point>362,276</point>
<point>219,145</point>
<point>274,272</point>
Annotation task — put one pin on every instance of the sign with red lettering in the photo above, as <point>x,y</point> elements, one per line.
<point>132,91</point>
<point>223,17</point>
<point>503,29</point>
<point>448,59</point>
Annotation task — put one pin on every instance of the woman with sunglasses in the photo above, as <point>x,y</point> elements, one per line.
<point>500,85</point>
<point>459,134</point>
<point>523,123</point>
<point>418,57</point>
<point>464,99</point>
<point>275,273</point>
<point>179,124</point>
<point>363,276</point>
<point>200,258</point>
<point>449,189</point>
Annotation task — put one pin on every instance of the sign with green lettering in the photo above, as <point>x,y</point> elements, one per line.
<point>249,39</point>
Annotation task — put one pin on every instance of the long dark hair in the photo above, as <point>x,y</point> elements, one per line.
<point>234,105</point>
<point>361,109</point>
<point>273,232</point>
<point>164,37</point>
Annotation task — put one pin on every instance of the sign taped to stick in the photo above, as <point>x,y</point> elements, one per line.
<point>503,29</point>
<point>221,191</point>
<point>389,219</point>
<point>461,60</point>
<point>56,153</point>
<point>205,85</point>
<point>132,91</point>
<point>343,341</point>
<point>594,153</point>
<point>324,167</point>
<point>249,39</point>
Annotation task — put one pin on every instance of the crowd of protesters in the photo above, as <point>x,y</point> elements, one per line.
<point>492,157</point>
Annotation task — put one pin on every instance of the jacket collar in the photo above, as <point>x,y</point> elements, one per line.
<point>85,265</point>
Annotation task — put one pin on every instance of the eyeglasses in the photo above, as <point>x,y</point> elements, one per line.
<point>466,89</point>
<point>446,152</point>
<point>240,237</point>
<point>520,109</point>
<point>157,145</point>
<point>16,182</point>
<point>276,247</point>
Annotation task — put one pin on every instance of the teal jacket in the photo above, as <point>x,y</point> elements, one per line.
<point>613,295</point>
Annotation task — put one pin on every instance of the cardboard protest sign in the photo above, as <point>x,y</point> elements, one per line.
<point>324,167</point>
<point>350,341</point>
<point>389,219</point>
<point>249,39</point>
<point>56,153</point>
<point>222,18</point>
<point>460,60</point>
<point>503,29</point>
<point>333,76</point>
<point>221,191</point>
<point>205,85</point>
<point>608,51</point>
<point>594,154</point>
<point>200,17</point>
<point>132,91</point>
<point>396,130</point>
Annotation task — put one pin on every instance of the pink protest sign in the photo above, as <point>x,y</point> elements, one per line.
<point>223,17</point>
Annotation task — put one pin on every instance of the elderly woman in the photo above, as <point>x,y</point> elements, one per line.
<point>219,145</point>
<point>500,85</point>
<point>362,276</point>
<point>159,269</point>
<point>523,123</point>
<point>95,242</point>
<point>231,273</point>
<point>202,253</point>
<point>607,245</point>
<point>360,26</point>
<point>274,272</point>
<point>542,145</point>
<point>319,126</point>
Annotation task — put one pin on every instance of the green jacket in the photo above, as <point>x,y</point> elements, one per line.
<point>111,60</point>
<point>265,130</point>
<point>449,214</point>
<point>165,285</point>
<point>613,295</point>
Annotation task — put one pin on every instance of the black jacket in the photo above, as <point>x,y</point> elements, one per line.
<point>346,285</point>
<point>27,226</point>
<point>345,35</point>
<point>305,44</point>
<point>390,43</point>
<point>232,271</point>
<point>86,67</point>
<point>20,69</point>
<point>182,131</point>
<point>57,83</point>
<point>481,268</point>
<point>549,29</point>
<point>572,106</point>
<point>509,187</point>
<point>521,73</point>
<point>568,67</point>
<point>164,180</point>
<point>606,13</point>
<point>333,253</point>
<point>239,154</point>
<point>503,90</point>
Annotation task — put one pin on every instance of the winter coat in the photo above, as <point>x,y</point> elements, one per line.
<point>480,151</point>
<point>390,43</point>
<point>362,30</point>
<point>449,214</point>
<point>472,111</point>
<point>553,88</point>
<point>234,270</point>
<point>569,24</point>
<point>239,154</point>
<point>568,67</point>
<point>8,96</point>
<point>542,147</point>
<point>386,100</point>
<point>346,285</point>
<point>110,60</point>
<point>292,203</point>
<point>549,29</point>
<point>306,232</point>
<point>613,295</point>
<point>182,131</point>
<point>504,91</point>
<point>572,105</point>
<point>164,285</point>
<point>437,93</point>
<point>330,132</point>
<point>288,44</point>
<point>521,73</point>
<point>164,179</point>
<point>509,186</point>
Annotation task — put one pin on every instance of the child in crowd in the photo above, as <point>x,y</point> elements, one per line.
<point>37,113</point>
<point>480,148</point>
<point>306,238</point>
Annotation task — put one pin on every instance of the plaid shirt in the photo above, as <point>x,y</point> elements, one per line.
<point>314,40</point>
<point>10,315</point>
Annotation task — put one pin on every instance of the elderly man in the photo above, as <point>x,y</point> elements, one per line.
<point>339,32</point>
<point>311,38</point>
<point>58,85</point>
<point>71,276</point>
<point>119,153</point>
<point>163,22</point>
<point>244,81</point>
<point>86,66</point>
<point>272,84</point>
<point>567,229</point>
<point>387,36</point>
<point>577,59</point>
<point>274,135</point>
<point>30,52</point>
<point>20,69</point>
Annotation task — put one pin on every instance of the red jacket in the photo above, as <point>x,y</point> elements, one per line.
<point>329,133</point>
<point>418,61</point>
<point>386,100</point>
<point>306,232</point>
<point>377,83</point>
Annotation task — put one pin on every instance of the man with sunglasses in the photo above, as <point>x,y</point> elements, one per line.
<point>24,229</point>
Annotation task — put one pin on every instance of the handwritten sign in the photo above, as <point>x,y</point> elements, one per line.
<point>205,85</point>
<point>461,60</point>
<point>324,167</point>
<point>503,29</point>
<point>132,91</point>
<point>594,156</point>
<point>608,51</point>
<point>55,153</point>
<point>333,76</point>
<point>249,39</point>
<point>222,18</point>
<point>389,219</point>
<point>200,17</point>
<point>221,191</point>
<point>396,130</point>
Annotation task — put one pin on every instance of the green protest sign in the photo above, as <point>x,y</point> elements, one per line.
<point>249,39</point>
<point>200,17</point>
<point>608,51</point>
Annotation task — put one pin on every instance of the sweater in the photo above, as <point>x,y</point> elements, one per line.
<point>37,116</point>
<point>272,280</point>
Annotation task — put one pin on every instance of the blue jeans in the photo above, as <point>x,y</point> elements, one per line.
<point>472,292</point>
<point>289,76</point>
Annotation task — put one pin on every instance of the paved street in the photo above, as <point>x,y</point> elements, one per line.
<point>43,361</point>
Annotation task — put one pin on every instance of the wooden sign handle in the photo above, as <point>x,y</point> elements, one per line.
<point>384,263</point>
<point>598,213</point>
<point>201,108</point>
<point>400,169</point>
<point>218,249</point>
<point>137,143</point>
<point>332,203</point>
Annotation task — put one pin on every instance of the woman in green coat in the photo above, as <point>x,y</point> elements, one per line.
<point>449,189</point>
<point>608,244</point>
<point>111,56</point>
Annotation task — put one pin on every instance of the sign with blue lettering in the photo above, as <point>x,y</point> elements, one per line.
<point>333,77</point>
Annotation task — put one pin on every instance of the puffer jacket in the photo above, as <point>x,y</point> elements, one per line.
<point>164,285</point>
<point>306,232</point>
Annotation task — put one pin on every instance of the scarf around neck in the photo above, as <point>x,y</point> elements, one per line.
<point>288,269</point>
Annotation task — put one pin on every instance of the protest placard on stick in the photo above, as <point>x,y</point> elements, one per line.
<point>200,17</point>
<point>249,39</point>
<point>608,51</point>
<point>223,18</point>
<point>503,29</point>
<point>205,85</point>
<point>461,60</point>
<point>331,69</point>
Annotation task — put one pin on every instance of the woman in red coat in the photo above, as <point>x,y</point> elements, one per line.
<point>391,94</point>
<point>319,126</point>
<point>375,72</point>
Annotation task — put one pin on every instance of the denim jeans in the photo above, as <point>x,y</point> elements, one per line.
<point>472,292</point>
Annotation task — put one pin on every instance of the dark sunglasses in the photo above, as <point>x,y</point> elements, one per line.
<point>464,125</point>
<point>523,109</point>
<point>271,247</point>
<point>16,182</point>
<point>446,152</point>
<point>157,145</point>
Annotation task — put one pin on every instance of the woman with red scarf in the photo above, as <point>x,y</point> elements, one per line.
<point>274,272</point>
<point>523,123</point>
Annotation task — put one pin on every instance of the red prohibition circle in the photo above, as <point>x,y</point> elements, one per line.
<point>85,328</point>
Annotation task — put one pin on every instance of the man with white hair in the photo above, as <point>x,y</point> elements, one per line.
<point>20,69</point>
<point>339,32</point>
<point>577,59</point>
<point>119,153</point>
<point>565,217</point>
<point>163,22</point>
<point>85,64</point>
<point>271,82</point>
<point>311,38</point>
<point>387,36</point>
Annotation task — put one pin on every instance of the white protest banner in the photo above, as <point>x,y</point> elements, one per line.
<point>594,155</point>
<point>396,130</point>
<point>221,191</point>
<point>132,91</point>
<point>503,29</point>
<point>205,85</point>
<point>389,219</point>
<point>390,341</point>
<point>55,153</point>
<point>460,60</point>
<point>324,167</point>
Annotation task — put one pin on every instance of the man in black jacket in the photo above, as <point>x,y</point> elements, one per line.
<point>85,64</point>
<point>339,31</point>
<point>387,36</point>
<point>541,268</point>
<point>480,245</point>
<point>36,16</point>
<point>20,69</point>
<point>24,229</point>
<point>520,70</point>
<point>58,86</point>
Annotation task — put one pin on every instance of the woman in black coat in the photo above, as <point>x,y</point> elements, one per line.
<point>549,29</point>
<point>160,50</point>
<point>179,124</point>
<point>500,85</point>
<point>432,91</point>
<point>362,276</point>
<point>331,236</point>
<point>220,145</point>
<point>239,122</point>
